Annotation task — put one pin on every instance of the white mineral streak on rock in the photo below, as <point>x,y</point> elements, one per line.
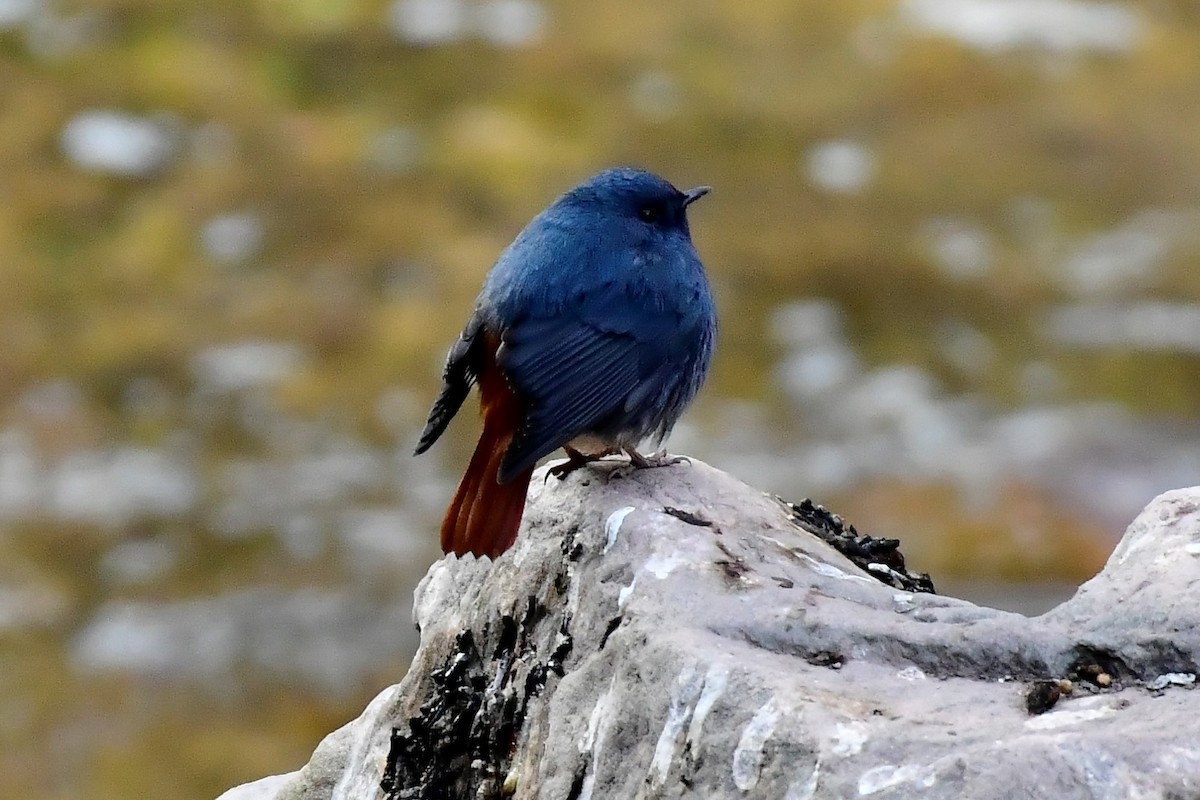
<point>748,755</point>
<point>1063,719</point>
<point>911,674</point>
<point>888,775</point>
<point>1171,679</point>
<point>828,570</point>
<point>687,688</point>
<point>612,527</point>
<point>594,738</point>
<point>715,681</point>
<point>625,593</point>
<point>902,602</point>
<point>848,738</point>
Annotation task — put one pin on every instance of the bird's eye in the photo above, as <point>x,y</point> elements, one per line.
<point>648,214</point>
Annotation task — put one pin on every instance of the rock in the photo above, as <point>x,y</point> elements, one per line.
<point>118,143</point>
<point>620,651</point>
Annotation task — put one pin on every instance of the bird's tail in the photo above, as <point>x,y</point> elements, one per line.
<point>485,515</point>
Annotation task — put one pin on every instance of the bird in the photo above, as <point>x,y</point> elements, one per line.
<point>593,331</point>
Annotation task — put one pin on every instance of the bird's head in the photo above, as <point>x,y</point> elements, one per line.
<point>637,198</point>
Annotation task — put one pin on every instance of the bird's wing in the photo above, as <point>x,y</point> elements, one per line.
<point>570,374</point>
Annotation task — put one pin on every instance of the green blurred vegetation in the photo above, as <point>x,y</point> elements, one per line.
<point>104,280</point>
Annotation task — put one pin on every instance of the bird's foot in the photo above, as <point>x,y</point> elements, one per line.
<point>575,460</point>
<point>657,459</point>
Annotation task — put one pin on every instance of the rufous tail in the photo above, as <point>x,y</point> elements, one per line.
<point>485,515</point>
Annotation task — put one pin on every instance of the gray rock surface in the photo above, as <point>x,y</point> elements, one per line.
<point>619,651</point>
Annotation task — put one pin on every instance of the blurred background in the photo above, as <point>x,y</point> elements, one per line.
<point>954,245</point>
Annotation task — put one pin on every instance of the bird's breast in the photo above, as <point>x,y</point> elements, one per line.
<point>596,446</point>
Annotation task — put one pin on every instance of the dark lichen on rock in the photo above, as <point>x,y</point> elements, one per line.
<point>461,742</point>
<point>878,557</point>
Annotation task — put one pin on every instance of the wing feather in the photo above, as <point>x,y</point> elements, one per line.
<point>463,365</point>
<point>570,378</point>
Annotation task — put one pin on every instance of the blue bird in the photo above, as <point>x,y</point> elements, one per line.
<point>593,331</point>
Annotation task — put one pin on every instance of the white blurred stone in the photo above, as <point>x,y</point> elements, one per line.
<point>1143,325</point>
<point>303,537</point>
<point>967,349</point>
<point>321,639</point>
<point>82,490</point>
<point>1057,25</point>
<point>827,467</point>
<point>158,639</point>
<point>1128,257</point>
<point>15,12</point>
<point>139,562</point>
<point>232,238</point>
<point>1033,436</point>
<point>511,23</point>
<point>30,605</point>
<point>814,371</point>
<point>53,401</point>
<point>428,22</point>
<point>806,322</point>
<point>932,433</point>
<point>126,484</point>
<point>52,32</point>
<point>820,360</point>
<point>332,475</point>
<point>961,249</point>
<point>117,143</point>
<point>246,365</point>
<point>840,166</point>
<point>888,394</point>
<point>20,475</point>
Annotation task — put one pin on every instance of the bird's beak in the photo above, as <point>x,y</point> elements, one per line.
<point>692,195</point>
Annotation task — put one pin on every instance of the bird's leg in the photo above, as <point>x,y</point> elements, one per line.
<point>575,460</point>
<point>657,459</point>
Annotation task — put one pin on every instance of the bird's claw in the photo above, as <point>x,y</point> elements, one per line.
<point>574,461</point>
<point>657,459</point>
